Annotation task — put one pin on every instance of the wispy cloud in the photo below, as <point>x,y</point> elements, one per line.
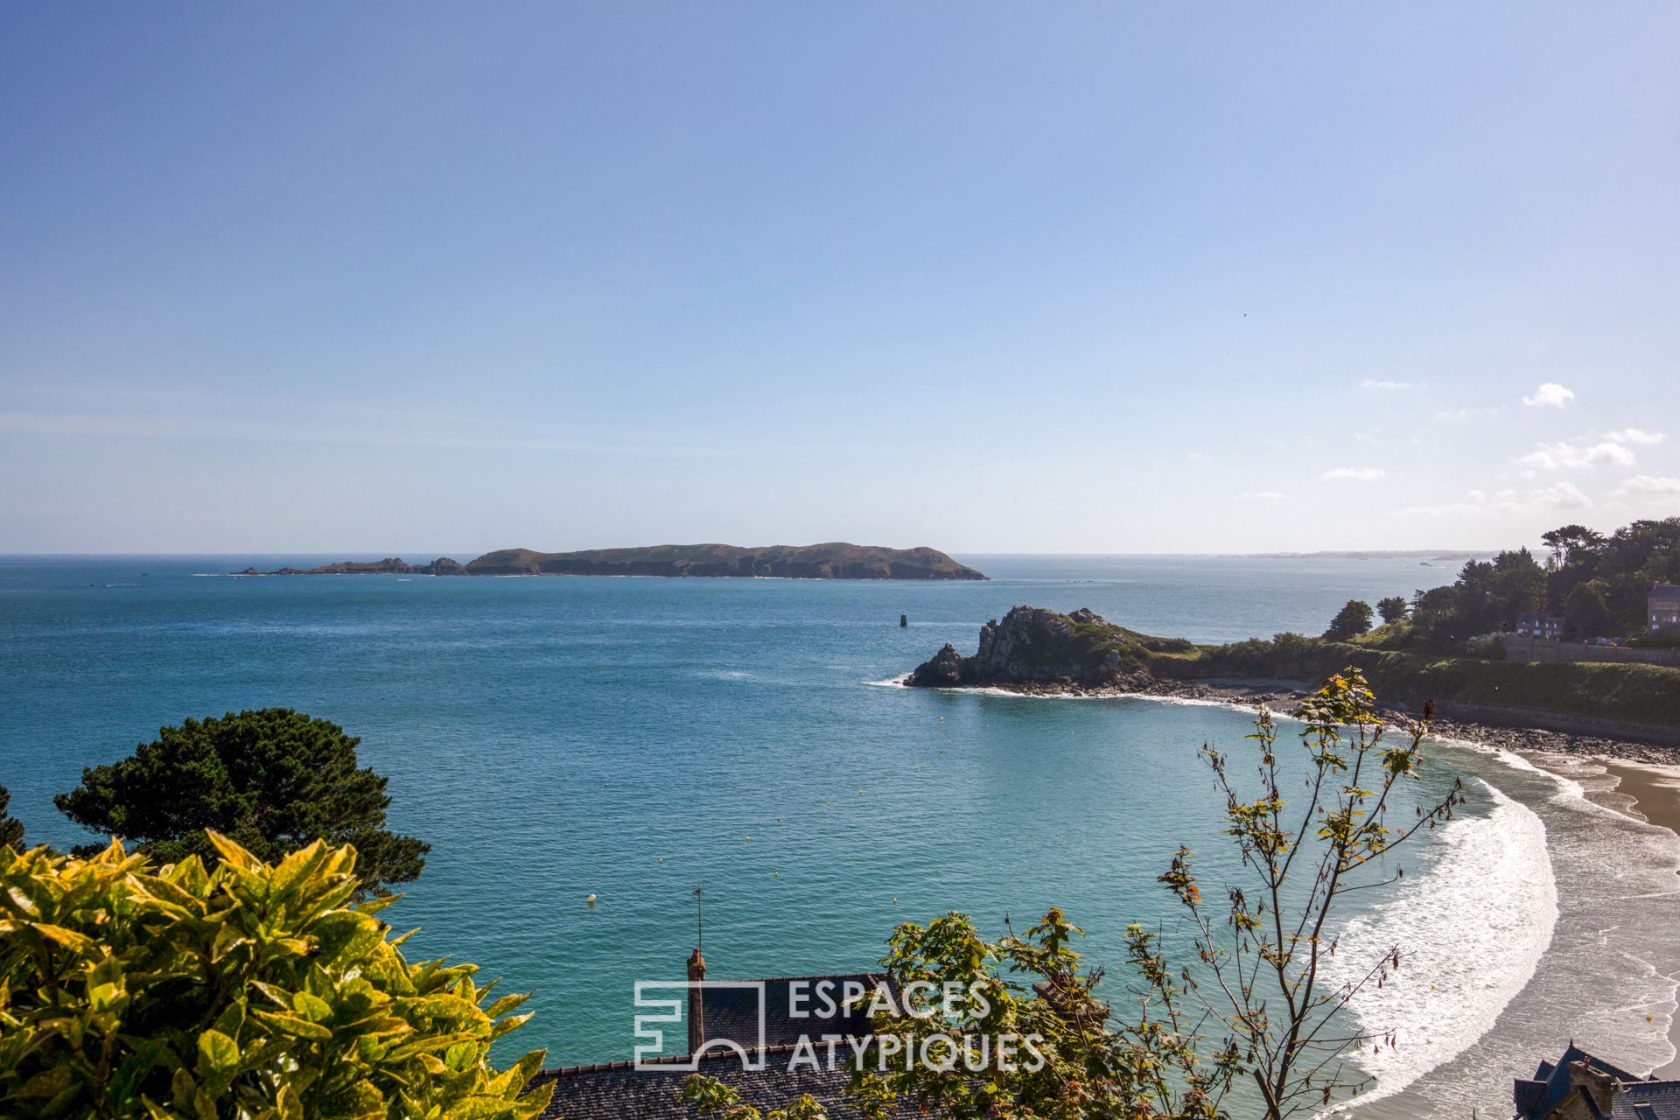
<point>1377,385</point>
<point>1477,503</point>
<point>1574,456</point>
<point>1550,395</point>
<point>1263,496</point>
<point>1636,435</point>
<point>1466,415</point>
<point>1561,495</point>
<point>1650,484</point>
<point>1356,474</point>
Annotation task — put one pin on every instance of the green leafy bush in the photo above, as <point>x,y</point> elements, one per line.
<point>246,990</point>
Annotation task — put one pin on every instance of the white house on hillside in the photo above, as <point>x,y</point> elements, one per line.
<point>1665,607</point>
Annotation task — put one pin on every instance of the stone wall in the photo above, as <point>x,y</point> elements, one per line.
<point>1518,648</point>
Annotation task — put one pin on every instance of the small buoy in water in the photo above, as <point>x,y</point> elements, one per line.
<point>776,874</point>
<point>748,839</point>
<point>590,900</point>
<point>661,859</point>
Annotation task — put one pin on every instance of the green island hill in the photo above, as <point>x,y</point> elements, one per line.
<point>835,560</point>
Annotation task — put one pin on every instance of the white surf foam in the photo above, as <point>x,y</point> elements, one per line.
<point>1471,932</point>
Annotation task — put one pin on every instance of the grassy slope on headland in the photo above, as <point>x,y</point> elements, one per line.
<point>1480,687</point>
<point>1640,694</point>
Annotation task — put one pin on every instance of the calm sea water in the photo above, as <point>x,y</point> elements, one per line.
<point>633,738</point>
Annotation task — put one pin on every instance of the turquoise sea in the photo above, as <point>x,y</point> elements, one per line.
<point>633,738</point>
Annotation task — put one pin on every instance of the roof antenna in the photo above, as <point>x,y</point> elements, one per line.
<point>699,920</point>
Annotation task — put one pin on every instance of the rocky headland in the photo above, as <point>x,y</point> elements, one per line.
<point>1034,651</point>
<point>836,560</point>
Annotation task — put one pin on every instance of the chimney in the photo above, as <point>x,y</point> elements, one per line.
<point>696,1004</point>
<point>1596,1085</point>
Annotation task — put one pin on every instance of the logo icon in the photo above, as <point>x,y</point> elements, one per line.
<point>664,999</point>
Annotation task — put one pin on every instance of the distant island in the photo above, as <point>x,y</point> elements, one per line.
<point>836,560</point>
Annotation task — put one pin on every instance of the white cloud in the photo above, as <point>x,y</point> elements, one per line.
<point>1636,435</point>
<point>1550,395</point>
<point>1650,484</point>
<point>1263,496</point>
<point>1574,456</point>
<point>1561,496</point>
<point>1380,386</point>
<point>1466,415</point>
<point>1356,474</point>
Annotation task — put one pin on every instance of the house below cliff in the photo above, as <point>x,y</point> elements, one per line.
<point>1539,624</point>
<point>1579,1086</point>
<point>1664,606</point>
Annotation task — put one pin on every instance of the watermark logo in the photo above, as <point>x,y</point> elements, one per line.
<point>650,1038</point>
<point>823,1024</point>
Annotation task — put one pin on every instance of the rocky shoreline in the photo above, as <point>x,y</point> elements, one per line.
<point>1282,696</point>
<point>1037,652</point>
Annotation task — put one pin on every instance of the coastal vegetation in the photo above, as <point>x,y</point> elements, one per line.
<point>1598,584</point>
<point>11,829</point>
<point>833,560</point>
<point>1647,695</point>
<point>231,986</point>
<point>1441,647</point>
<point>1392,608</point>
<point>1350,622</point>
<point>1252,1001</point>
<point>272,780</point>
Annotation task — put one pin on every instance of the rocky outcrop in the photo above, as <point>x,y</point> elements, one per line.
<point>391,565</point>
<point>818,561</point>
<point>1037,647</point>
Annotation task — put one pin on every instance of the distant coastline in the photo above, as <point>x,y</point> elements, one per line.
<point>834,560</point>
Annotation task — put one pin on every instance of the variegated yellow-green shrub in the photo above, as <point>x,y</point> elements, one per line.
<point>246,990</point>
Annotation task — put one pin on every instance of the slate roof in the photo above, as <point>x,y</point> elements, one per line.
<point>1651,1100</point>
<point>1638,1098</point>
<point>619,1091</point>
<point>732,1013</point>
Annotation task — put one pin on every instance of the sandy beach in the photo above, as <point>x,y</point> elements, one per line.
<point>1649,792</point>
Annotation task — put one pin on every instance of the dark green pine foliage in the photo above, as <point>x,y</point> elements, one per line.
<point>11,829</point>
<point>1392,609</point>
<point>272,780</point>
<point>1350,622</point>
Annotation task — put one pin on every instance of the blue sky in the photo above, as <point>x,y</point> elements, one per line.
<point>1098,278</point>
